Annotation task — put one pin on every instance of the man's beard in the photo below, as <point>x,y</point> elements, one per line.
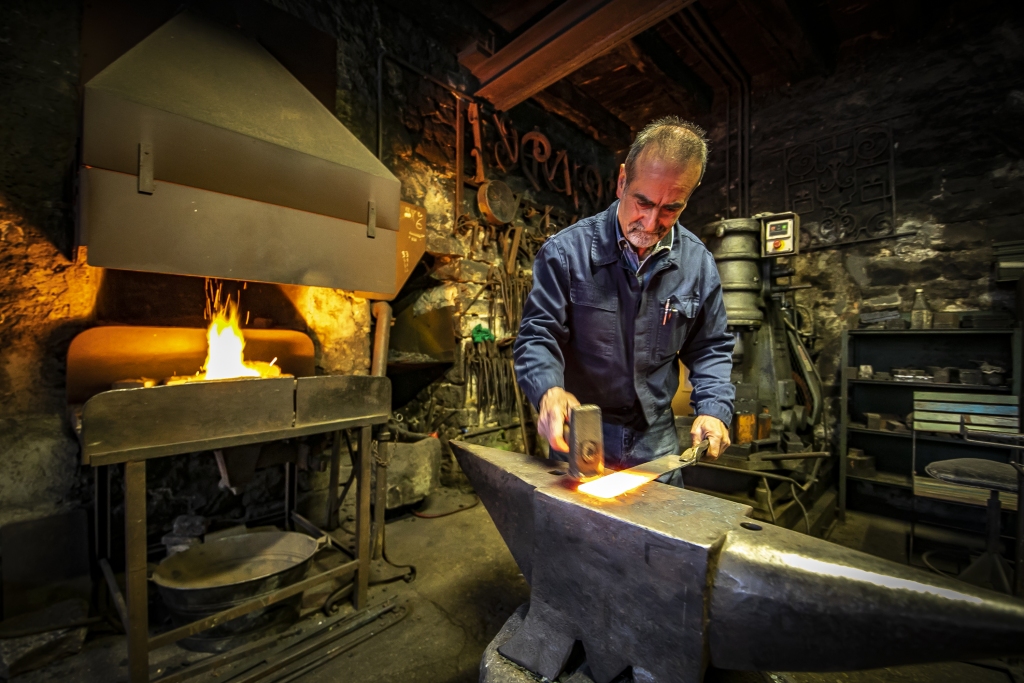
<point>640,238</point>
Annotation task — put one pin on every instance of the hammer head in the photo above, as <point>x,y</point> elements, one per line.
<point>586,443</point>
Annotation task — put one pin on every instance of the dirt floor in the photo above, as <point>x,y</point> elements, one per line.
<point>466,586</point>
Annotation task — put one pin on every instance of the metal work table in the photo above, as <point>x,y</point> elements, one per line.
<point>131,426</point>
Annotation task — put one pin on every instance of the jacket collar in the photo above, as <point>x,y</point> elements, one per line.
<point>606,250</point>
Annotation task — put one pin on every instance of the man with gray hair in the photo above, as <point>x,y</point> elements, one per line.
<point>619,299</point>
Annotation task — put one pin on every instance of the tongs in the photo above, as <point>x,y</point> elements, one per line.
<point>691,455</point>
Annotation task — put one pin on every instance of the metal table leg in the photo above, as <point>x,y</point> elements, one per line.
<point>332,491</point>
<point>1018,560</point>
<point>135,570</point>
<point>363,519</point>
<point>101,511</point>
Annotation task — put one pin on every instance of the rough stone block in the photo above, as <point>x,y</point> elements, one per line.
<point>445,245</point>
<point>30,652</point>
<point>414,472</point>
<point>461,270</point>
<point>450,395</point>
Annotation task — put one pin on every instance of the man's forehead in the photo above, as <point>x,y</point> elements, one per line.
<point>665,181</point>
<point>652,164</point>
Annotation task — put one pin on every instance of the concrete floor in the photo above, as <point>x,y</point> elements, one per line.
<point>466,587</point>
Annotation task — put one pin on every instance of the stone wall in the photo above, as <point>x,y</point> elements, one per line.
<point>954,101</point>
<point>45,296</point>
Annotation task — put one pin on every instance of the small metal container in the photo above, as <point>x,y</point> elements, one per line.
<point>970,376</point>
<point>215,576</point>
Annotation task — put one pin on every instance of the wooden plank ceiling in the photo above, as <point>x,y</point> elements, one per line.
<point>611,66</point>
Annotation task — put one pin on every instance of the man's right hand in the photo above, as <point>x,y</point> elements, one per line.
<point>555,405</point>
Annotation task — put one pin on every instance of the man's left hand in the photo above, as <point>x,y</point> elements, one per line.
<point>712,429</point>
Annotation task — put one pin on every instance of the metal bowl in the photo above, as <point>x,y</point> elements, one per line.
<point>214,576</point>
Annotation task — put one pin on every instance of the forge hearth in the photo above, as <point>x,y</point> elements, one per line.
<point>145,422</point>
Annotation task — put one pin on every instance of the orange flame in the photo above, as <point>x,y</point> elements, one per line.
<point>225,358</point>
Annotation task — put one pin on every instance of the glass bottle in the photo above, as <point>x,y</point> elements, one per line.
<point>920,314</point>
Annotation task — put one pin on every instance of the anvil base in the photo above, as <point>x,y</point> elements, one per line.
<point>496,668</point>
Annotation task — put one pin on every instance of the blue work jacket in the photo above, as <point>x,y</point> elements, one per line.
<point>596,328</point>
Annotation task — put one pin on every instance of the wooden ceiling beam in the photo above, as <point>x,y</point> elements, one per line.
<point>570,36</point>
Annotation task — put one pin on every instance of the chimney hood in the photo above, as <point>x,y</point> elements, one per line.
<point>202,155</point>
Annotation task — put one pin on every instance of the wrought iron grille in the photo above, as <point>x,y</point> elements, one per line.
<point>842,185</point>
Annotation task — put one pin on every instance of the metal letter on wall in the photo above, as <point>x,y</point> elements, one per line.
<point>842,185</point>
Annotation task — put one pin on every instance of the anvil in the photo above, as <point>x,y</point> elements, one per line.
<point>669,581</point>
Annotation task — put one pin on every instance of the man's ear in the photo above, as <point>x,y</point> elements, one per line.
<point>620,186</point>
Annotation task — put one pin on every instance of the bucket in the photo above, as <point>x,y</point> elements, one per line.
<point>215,576</point>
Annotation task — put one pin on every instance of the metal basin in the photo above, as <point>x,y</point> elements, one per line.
<point>215,576</point>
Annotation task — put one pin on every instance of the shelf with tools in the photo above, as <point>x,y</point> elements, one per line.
<point>877,466</point>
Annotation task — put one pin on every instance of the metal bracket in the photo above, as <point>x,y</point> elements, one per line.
<point>371,219</point>
<point>145,168</point>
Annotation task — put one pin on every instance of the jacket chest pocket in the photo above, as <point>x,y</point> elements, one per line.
<point>673,329</point>
<point>594,318</point>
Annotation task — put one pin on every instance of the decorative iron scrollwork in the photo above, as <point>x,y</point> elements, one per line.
<point>842,185</point>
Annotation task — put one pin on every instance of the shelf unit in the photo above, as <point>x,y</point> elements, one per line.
<point>886,349</point>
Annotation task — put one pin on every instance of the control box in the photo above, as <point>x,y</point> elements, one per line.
<point>780,234</point>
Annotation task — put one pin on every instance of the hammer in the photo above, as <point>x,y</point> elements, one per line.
<point>586,443</point>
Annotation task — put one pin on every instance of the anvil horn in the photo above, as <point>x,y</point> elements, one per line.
<point>783,601</point>
<point>669,581</point>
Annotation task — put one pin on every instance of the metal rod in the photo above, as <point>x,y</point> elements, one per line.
<point>380,494</point>
<point>489,430</point>
<point>260,602</point>
<point>240,652</point>
<point>101,511</point>
<point>332,486</point>
<point>460,144</point>
<point>291,487</point>
<point>327,656</point>
<point>297,653</point>
<point>520,410</point>
<point>363,520</point>
<point>795,456</point>
<point>135,571</point>
<point>115,592</point>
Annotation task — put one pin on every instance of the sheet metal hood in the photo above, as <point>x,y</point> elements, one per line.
<point>202,155</point>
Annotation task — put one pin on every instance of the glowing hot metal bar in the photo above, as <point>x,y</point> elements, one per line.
<point>614,484</point>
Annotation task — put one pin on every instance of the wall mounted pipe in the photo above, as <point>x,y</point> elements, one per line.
<point>714,48</point>
<point>689,42</point>
<point>724,53</point>
<point>381,339</point>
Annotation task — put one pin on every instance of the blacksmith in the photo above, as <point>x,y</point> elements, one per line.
<point>619,299</point>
